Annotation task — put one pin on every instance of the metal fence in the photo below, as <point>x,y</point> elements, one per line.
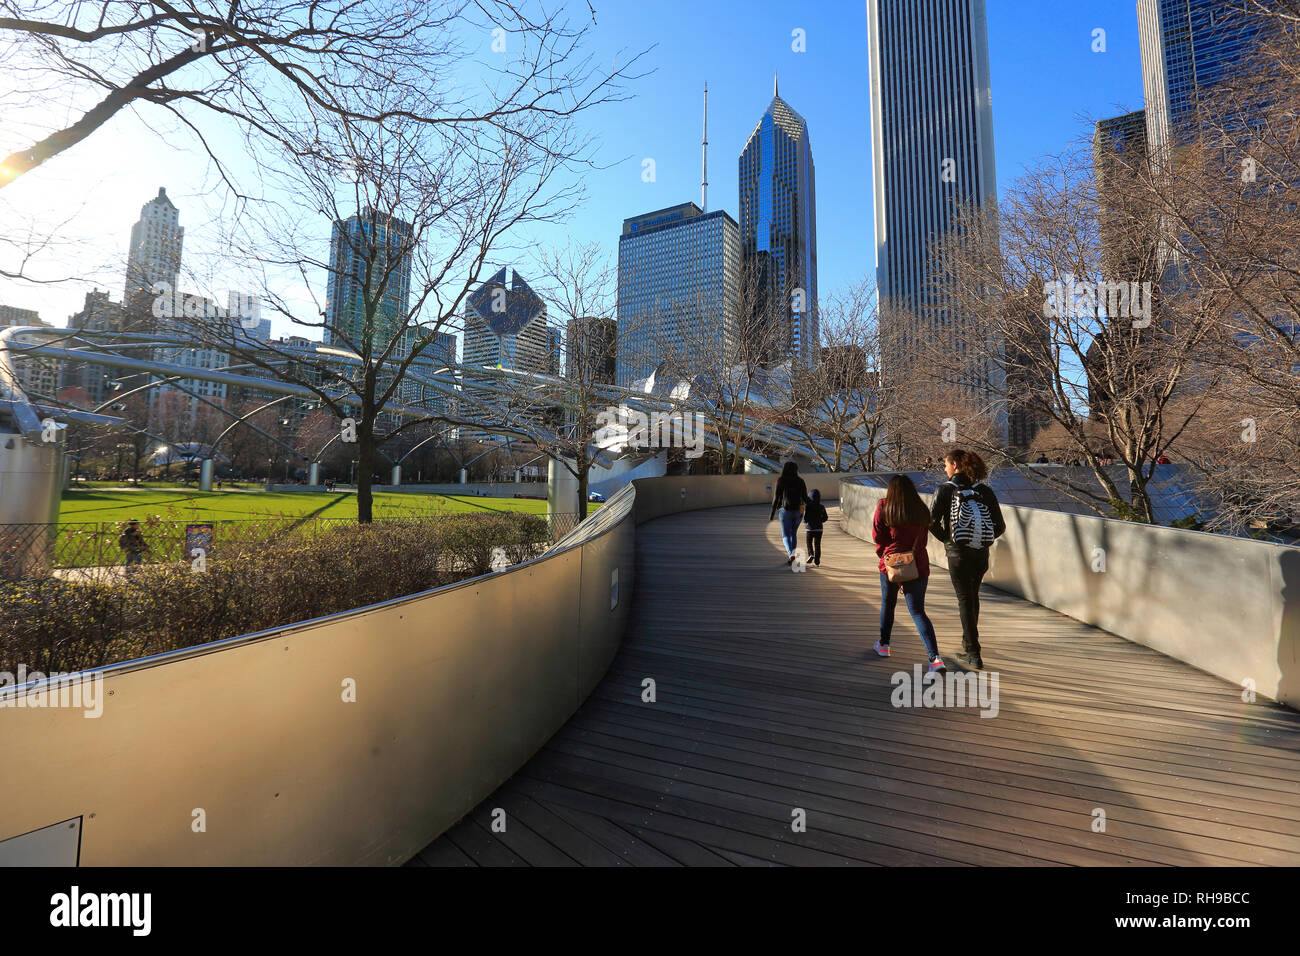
<point>38,550</point>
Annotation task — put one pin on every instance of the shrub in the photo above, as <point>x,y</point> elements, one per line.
<point>256,582</point>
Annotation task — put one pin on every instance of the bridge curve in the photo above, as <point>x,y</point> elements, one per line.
<point>769,701</point>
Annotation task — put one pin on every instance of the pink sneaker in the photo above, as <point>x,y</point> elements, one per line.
<point>881,649</point>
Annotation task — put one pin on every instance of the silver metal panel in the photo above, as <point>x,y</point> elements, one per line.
<point>250,752</point>
<point>1229,606</point>
<point>454,691</point>
<point>55,845</point>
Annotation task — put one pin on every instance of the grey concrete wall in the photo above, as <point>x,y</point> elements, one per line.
<point>1229,606</point>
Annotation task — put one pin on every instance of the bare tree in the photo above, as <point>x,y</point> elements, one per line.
<point>1233,227</point>
<point>1056,333</point>
<point>842,399</point>
<point>268,65</point>
<point>415,208</point>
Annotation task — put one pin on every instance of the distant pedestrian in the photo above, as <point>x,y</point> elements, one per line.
<point>899,528</point>
<point>966,517</point>
<point>790,497</point>
<point>814,518</point>
<point>133,545</point>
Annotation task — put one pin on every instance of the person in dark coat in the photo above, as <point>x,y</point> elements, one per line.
<point>789,499</point>
<point>968,553</point>
<point>814,519</point>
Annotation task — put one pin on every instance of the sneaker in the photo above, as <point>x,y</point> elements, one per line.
<point>937,666</point>
<point>881,649</point>
<point>817,562</point>
<point>789,561</point>
<point>970,661</point>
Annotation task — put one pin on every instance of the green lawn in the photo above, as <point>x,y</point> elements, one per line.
<point>96,504</point>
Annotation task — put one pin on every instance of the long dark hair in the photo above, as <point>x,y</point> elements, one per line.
<point>789,473</point>
<point>968,463</point>
<point>903,505</point>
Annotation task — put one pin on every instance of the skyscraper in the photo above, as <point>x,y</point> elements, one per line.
<point>932,144</point>
<point>505,325</point>
<point>154,255</point>
<point>369,251</point>
<point>678,271</point>
<point>1187,46</point>
<point>591,345</point>
<point>1119,151</point>
<point>554,350</point>
<point>778,226</point>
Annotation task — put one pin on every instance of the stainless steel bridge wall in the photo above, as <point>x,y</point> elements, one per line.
<point>1229,606</point>
<point>656,497</point>
<point>455,690</point>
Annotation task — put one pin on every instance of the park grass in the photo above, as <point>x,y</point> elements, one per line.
<point>96,504</point>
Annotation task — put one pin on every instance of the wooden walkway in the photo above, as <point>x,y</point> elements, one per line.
<point>769,701</point>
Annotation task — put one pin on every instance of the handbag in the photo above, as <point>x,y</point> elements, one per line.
<point>901,567</point>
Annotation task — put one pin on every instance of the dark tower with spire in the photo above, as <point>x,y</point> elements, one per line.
<point>778,227</point>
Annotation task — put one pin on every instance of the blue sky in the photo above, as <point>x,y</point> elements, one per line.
<point>1047,86</point>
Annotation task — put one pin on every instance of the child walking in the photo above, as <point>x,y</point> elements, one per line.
<point>814,517</point>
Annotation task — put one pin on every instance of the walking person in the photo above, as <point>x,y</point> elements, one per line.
<point>967,519</point>
<point>133,545</point>
<point>814,519</point>
<point>900,529</point>
<point>790,497</point>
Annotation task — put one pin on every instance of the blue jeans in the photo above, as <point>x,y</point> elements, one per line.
<point>789,528</point>
<point>914,594</point>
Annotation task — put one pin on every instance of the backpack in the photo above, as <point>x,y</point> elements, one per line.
<point>971,524</point>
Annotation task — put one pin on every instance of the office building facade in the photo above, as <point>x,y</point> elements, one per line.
<point>678,276</point>
<point>153,258</point>
<point>1187,46</point>
<point>932,148</point>
<point>368,250</point>
<point>778,228</point>
<point>591,349</point>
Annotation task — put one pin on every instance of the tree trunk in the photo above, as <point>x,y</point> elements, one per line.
<point>365,466</point>
<point>583,466</point>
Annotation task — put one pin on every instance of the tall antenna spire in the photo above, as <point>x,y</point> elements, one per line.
<point>704,184</point>
<point>775,91</point>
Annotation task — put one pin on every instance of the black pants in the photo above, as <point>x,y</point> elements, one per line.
<point>967,567</point>
<point>815,546</point>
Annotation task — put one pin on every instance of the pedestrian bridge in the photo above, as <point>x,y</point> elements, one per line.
<point>661,689</point>
<point>770,701</point>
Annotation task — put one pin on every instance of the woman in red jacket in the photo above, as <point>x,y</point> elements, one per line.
<point>901,527</point>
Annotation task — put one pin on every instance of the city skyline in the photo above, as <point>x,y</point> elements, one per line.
<point>662,123</point>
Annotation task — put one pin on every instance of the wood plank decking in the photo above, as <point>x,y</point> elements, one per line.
<point>770,700</point>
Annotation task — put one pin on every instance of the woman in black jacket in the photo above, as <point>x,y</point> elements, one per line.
<point>790,498</point>
<point>967,519</point>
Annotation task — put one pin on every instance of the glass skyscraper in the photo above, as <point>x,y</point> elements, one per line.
<point>932,144</point>
<point>367,251</point>
<point>678,270</point>
<point>1187,46</point>
<point>778,226</point>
